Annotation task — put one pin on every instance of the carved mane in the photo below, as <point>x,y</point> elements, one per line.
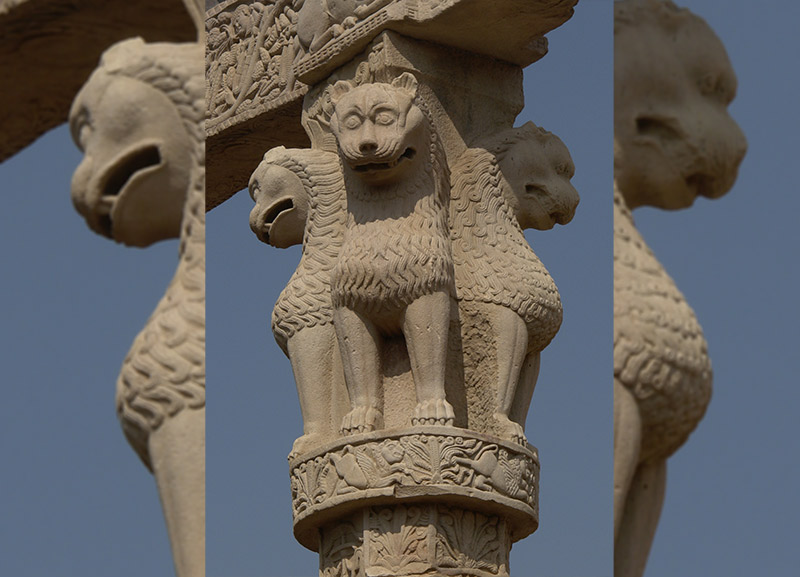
<point>306,300</point>
<point>413,231</point>
<point>493,261</point>
<point>660,353</point>
<point>164,371</point>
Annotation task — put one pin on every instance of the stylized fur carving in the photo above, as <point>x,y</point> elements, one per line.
<point>306,300</point>
<point>496,271</point>
<point>660,354</point>
<point>161,387</point>
<point>310,183</point>
<point>674,140</point>
<point>395,271</point>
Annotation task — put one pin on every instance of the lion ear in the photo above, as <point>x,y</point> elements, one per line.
<point>339,89</point>
<point>406,81</point>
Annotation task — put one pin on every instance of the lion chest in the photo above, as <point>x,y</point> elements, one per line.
<point>395,249</point>
<point>306,300</point>
<point>164,371</point>
<point>660,353</point>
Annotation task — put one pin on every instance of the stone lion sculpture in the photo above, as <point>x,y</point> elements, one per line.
<point>673,141</point>
<point>139,122</point>
<point>394,274</point>
<point>300,198</point>
<point>517,179</point>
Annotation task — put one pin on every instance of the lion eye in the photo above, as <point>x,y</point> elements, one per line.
<point>385,118</point>
<point>715,86</point>
<point>84,133</point>
<point>352,122</point>
<point>535,189</point>
<point>81,129</point>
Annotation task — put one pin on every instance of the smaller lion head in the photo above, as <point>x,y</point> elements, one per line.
<point>138,120</point>
<point>281,209</point>
<point>536,169</point>
<point>380,131</point>
<point>673,82</point>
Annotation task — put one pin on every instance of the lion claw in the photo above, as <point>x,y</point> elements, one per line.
<point>508,429</point>
<point>434,412</point>
<point>362,420</point>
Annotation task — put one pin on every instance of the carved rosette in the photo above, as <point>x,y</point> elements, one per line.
<point>405,501</point>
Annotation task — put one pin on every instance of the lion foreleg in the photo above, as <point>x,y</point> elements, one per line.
<point>311,353</point>
<point>359,345</point>
<point>527,384</point>
<point>178,454</point>
<point>640,519</point>
<point>426,323</point>
<point>627,445</point>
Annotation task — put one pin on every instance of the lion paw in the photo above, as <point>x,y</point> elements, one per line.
<point>362,420</point>
<point>434,412</point>
<point>508,429</point>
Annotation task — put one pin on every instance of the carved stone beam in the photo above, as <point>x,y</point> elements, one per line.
<point>48,48</point>
<point>258,69</point>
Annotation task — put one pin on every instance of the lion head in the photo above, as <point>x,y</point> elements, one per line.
<point>381,132</point>
<point>536,169</point>
<point>673,82</point>
<point>281,197</point>
<point>138,120</point>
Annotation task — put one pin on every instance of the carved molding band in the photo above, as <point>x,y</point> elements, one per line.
<point>420,464</point>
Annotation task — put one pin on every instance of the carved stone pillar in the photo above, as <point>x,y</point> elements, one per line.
<point>415,320</point>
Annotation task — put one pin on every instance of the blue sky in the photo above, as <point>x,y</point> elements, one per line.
<point>76,501</point>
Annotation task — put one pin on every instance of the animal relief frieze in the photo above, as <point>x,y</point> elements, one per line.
<point>367,466</point>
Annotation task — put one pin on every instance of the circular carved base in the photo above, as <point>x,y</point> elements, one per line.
<point>442,477</point>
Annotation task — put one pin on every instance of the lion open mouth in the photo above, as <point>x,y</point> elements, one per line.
<point>273,212</point>
<point>408,154</point>
<point>119,174</point>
